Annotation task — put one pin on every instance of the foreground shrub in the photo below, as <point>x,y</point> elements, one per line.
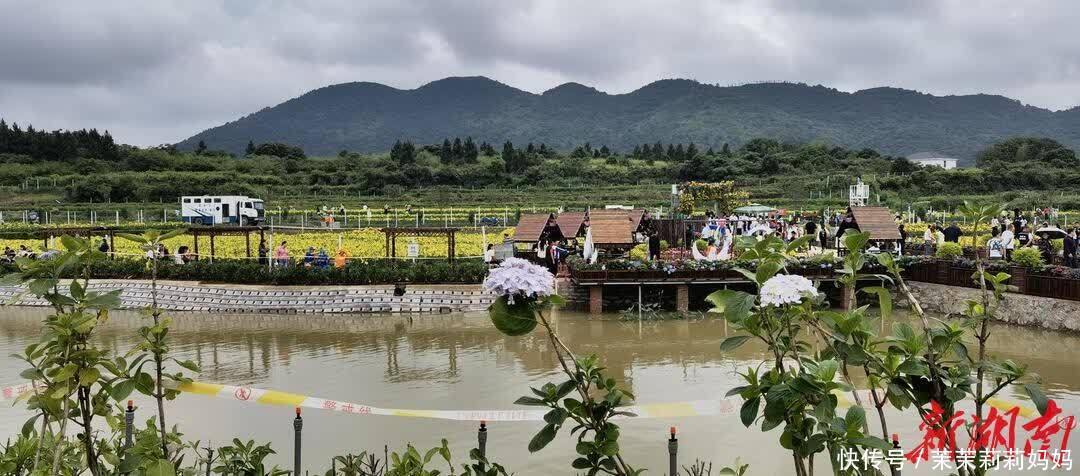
<point>950,250</point>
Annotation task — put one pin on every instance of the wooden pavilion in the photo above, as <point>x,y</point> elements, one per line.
<point>878,221</point>
<point>572,224</point>
<point>614,228</point>
<point>531,228</point>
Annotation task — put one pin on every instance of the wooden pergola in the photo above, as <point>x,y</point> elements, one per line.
<point>194,231</point>
<point>392,233</point>
<point>214,231</point>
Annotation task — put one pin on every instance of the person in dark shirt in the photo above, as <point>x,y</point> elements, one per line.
<point>903,237</point>
<point>1046,248</point>
<point>1023,237</point>
<point>952,233</point>
<point>654,246</point>
<point>689,238</point>
<point>1069,251</point>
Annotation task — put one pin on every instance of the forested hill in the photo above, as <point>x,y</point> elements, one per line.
<point>370,117</point>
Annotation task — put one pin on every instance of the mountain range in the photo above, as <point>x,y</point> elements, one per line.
<point>370,117</point>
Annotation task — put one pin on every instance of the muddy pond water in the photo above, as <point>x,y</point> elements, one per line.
<point>460,362</point>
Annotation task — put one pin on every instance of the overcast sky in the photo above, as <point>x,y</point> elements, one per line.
<point>159,71</point>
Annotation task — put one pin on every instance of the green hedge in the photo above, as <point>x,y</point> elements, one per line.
<point>250,272</point>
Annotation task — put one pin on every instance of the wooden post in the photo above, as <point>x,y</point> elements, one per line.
<point>682,297</point>
<point>386,234</point>
<point>247,242</point>
<point>195,236</point>
<point>212,246</point>
<point>596,299</point>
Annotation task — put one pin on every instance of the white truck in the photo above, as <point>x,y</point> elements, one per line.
<point>222,209</point>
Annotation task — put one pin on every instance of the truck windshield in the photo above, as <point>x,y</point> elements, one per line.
<point>258,205</point>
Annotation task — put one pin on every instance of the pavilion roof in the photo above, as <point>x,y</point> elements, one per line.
<point>878,221</point>
<point>570,223</point>
<point>531,227</point>
<point>613,227</point>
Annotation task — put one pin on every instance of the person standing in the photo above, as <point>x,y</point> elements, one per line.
<point>1007,239</point>
<point>340,259</point>
<point>281,254</point>
<point>1069,251</point>
<point>811,229</point>
<point>689,236</point>
<point>929,239</point>
<point>952,233</point>
<point>263,252</point>
<point>995,249</point>
<point>903,237</point>
<point>1023,237</point>
<point>654,246</point>
<point>823,237</point>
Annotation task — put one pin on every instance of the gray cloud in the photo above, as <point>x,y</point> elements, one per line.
<point>154,72</point>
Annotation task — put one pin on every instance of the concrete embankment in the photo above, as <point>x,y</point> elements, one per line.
<point>1048,313</point>
<point>197,296</point>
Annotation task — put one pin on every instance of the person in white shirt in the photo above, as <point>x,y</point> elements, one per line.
<point>928,240</point>
<point>1007,240</point>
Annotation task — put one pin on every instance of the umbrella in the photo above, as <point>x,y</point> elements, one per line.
<point>1051,233</point>
<point>754,208</point>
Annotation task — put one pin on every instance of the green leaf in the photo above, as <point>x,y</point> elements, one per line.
<point>556,300</point>
<point>884,299</point>
<point>749,411</point>
<point>122,390</point>
<point>28,427</point>
<point>512,319</point>
<point>856,241</point>
<point>581,463</point>
<point>609,448</point>
<point>133,238</point>
<point>584,447</point>
<point>734,305</point>
<point>130,463</point>
<point>65,373</point>
<point>190,365</point>
<point>872,442</point>
<point>530,401</point>
<point>855,418</point>
<point>955,394</point>
<point>160,468</point>
<point>733,342</point>
<point>556,416</point>
<point>542,438</point>
<point>766,270</point>
<point>1037,397</point>
<point>87,377</point>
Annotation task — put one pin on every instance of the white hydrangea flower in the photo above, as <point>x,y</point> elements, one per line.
<point>786,289</point>
<point>518,277</point>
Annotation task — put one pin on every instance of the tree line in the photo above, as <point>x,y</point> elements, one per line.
<point>91,167</point>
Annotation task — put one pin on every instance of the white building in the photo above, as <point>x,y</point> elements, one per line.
<point>933,159</point>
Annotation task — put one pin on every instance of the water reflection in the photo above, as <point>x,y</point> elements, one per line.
<point>461,362</point>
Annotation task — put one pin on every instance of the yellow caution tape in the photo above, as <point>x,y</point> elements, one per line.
<point>716,407</point>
